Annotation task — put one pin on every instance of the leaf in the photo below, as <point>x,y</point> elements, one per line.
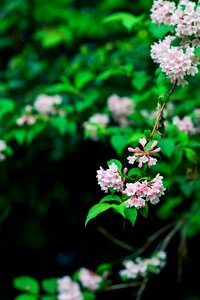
<point>159,31</point>
<point>161,78</point>
<point>167,146</point>
<point>96,210</point>
<point>20,135</point>
<point>26,283</point>
<point>49,298</point>
<point>109,73</point>
<point>118,142</point>
<point>116,162</point>
<point>131,214</point>
<point>121,209</point>
<point>88,295</point>
<point>6,106</point>
<point>26,297</point>
<point>135,171</point>
<point>176,42</point>
<point>140,79</point>
<point>103,267</point>
<point>144,211</point>
<point>49,285</point>
<point>197,51</point>
<point>66,86</point>
<point>111,198</point>
<point>60,123</point>
<point>82,78</point>
<point>128,20</point>
<point>191,155</point>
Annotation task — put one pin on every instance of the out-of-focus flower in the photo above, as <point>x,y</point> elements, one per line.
<point>121,108</point>
<point>89,279</point>
<point>95,124</point>
<point>68,289</point>
<point>46,104</point>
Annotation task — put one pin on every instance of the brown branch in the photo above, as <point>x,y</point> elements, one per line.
<point>114,239</point>
<point>122,286</point>
<point>161,110</point>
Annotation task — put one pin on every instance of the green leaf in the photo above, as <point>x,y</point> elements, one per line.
<point>191,155</point>
<point>88,295</point>
<point>96,210</point>
<point>197,51</point>
<point>176,42</point>
<point>118,142</point>
<point>121,209</point>
<point>131,214</point>
<point>161,78</point>
<point>147,133</point>
<point>26,283</point>
<point>109,73</point>
<point>103,267</point>
<point>140,79</point>
<point>26,297</point>
<point>135,171</point>
<point>49,285</point>
<point>111,198</point>
<point>159,31</point>
<point>6,106</point>
<point>49,298</point>
<point>116,162</point>
<point>60,123</point>
<point>167,146</point>
<point>82,78</point>
<point>20,135</point>
<point>144,211</point>
<point>128,20</point>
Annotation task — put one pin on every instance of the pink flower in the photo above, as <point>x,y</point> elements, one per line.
<point>89,279</point>
<point>110,178</point>
<point>162,11</point>
<point>185,125</point>
<point>143,155</point>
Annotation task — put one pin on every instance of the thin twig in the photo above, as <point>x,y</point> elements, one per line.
<point>122,286</point>
<point>114,239</point>
<point>141,289</point>
<point>161,110</point>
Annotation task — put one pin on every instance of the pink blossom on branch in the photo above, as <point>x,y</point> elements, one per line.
<point>142,192</point>
<point>110,178</point>
<point>143,155</point>
<point>89,279</point>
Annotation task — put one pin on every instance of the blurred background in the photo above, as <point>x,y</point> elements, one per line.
<point>48,181</point>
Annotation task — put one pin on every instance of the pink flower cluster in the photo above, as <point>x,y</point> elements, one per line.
<point>68,289</point>
<point>142,266</point>
<point>142,192</point>
<point>27,118</point>
<point>121,108</point>
<point>95,122</point>
<point>186,125</point>
<point>110,178</point>
<point>45,104</point>
<point>177,61</point>
<point>143,155</point>
<point>2,148</point>
<point>185,16</point>
<point>89,279</point>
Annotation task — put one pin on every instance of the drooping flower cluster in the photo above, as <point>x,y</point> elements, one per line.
<point>89,279</point>
<point>121,108</point>
<point>143,266</point>
<point>46,104</point>
<point>143,155</point>
<point>110,179</point>
<point>2,148</point>
<point>146,191</point>
<point>68,289</point>
<point>94,124</point>
<point>177,61</point>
